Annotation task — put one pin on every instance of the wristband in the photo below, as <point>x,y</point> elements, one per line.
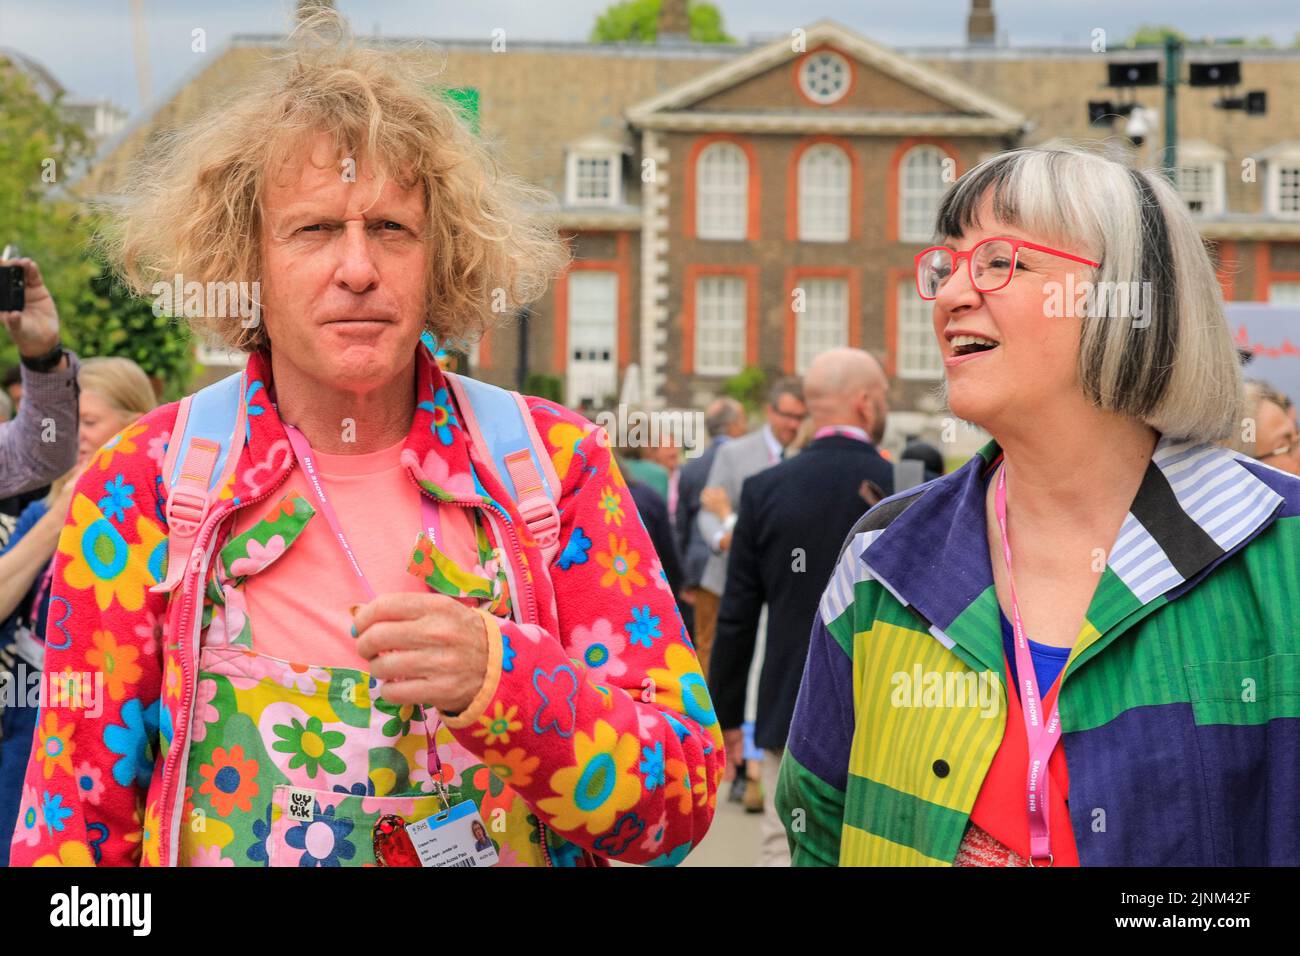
<point>44,363</point>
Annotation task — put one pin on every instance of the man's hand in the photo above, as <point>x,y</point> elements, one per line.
<point>428,649</point>
<point>35,330</point>
<point>734,742</point>
<point>715,500</point>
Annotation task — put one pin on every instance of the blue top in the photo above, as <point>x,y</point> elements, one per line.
<point>1048,660</point>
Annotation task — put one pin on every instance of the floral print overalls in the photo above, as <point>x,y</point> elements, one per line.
<point>266,730</point>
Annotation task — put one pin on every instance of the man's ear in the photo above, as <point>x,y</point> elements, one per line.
<point>866,410</point>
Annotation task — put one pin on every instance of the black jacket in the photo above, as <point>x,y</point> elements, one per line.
<point>793,519</point>
<point>690,482</point>
<point>654,515</point>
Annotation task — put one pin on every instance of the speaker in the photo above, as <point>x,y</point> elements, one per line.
<point>1133,74</point>
<point>1214,74</point>
<point>1099,112</point>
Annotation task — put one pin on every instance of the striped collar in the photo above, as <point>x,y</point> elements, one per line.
<point>1197,505</point>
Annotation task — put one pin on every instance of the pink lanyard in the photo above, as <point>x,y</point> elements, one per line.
<point>1042,738</point>
<point>428,511</point>
<point>302,449</point>
<point>844,431</point>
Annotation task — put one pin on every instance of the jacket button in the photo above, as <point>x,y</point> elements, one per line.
<point>940,768</point>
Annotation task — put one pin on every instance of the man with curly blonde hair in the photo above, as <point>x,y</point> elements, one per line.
<point>345,613</point>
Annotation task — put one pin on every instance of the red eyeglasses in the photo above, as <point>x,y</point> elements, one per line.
<point>991,263</point>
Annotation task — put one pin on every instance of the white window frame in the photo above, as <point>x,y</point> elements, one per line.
<point>721,320</point>
<point>1284,293</point>
<point>614,197</point>
<point>579,278</point>
<point>834,96</point>
<point>910,193</point>
<point>825,194</point>
<point>1283,166</point>
<point>824,322</point>
<point>581,373</point>
<point>1202,156</point>
<point>918,356</point>
<point>1211,195</point>
<point>712,198</point>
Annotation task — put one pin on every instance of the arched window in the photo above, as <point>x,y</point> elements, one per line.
<point>920,188</point>
<point>722,192</point>
<point>824,180</point>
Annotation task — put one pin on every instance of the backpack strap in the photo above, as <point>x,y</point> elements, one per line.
<point>501,425</point>
<point>209,425</point>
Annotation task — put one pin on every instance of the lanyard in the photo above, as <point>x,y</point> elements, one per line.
<point>844,431</point>
<point>432,523</point>
<point>302,449</point>
<point>1042,738</point>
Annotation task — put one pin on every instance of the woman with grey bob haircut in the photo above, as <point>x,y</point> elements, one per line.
<point>1080,323</point>
<point>1154,343</point>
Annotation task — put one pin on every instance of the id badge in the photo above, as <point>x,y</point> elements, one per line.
<point>455,837</point>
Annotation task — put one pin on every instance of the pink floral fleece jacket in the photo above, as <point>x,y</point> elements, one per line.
<point>601,684</point>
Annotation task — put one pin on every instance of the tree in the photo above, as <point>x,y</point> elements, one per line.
<point>1150,35</point>
<point>104,318</point>
<point>637,21</point>
<point>749,387</point>
<point>98,316</point>
<point>39,145</point>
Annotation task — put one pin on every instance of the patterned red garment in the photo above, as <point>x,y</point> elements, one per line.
<point>594,707</point>
<point>978,848</point>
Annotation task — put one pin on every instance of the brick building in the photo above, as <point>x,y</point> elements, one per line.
<point>752,204</point>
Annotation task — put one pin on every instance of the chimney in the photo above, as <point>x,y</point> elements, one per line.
<point>981,25</point>
<point>674,22</point>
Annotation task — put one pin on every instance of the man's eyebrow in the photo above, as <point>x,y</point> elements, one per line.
<point>300,215</point>
<point>370,215</point>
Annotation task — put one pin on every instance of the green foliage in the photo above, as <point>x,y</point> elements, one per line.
<point>1152,35</point>
<point>105,319</point>
<point>97,316</point>
<point>544,386</point>
<point>1261,42</point>
<point>39,145</point>
<point>637,21</point>
<point>749,387</point>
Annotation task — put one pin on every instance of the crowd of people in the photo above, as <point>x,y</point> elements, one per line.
<point>308,636</point>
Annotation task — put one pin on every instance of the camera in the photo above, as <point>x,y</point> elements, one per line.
<point>13,284</point>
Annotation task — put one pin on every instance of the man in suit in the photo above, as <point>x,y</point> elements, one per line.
<point>791,522</point>
<point>724,419</point>
<point>734,462</point>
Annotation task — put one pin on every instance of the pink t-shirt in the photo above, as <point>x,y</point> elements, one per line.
<point>299,605</point>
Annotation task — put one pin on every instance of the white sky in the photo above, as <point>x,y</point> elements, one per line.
<point>88,44</point>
